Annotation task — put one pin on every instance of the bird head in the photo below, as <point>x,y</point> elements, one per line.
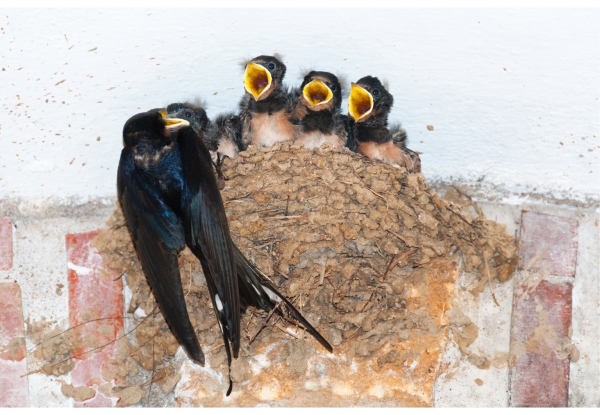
<point>369,99</point>
<point>321,90</point>
<point>262,75</point>
<point>151,126</point>
<point>194,114</point>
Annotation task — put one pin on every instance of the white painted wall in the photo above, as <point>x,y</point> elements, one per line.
<point>512,93</point>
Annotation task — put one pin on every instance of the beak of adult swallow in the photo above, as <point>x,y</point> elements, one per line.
<point>173,124</point>
<point>257,80</point>
<point>360,102</point>
<point>317,93</point>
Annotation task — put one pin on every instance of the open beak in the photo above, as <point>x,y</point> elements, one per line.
<point>316,92</point>
<point>360,103</point>
<point>257,80</point>
<point>173,124</point>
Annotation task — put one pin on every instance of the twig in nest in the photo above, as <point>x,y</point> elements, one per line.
<point>290,224</point>
<point>94,349</point>
<point>379,251</point>
<point>264,323</point>
<point>287,204</point>
<point>322,275</point>
<point>463,193</point>
<point>286,331</point>
<point>459,215</point>
<point>153,370</point>
<point>250,319</point>
<point>190,284</point>
<point>353,334</point>
<point>489,278</point>
<point>215,347</point>
<point>267,244</point>
<point>396,235</point>
<point>397,261</point>
<point>377,194</point>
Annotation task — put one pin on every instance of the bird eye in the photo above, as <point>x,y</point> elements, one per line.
<point>375,92</point>
<point>188,114</point>
<point>271,65</point>
<point>333,88</point>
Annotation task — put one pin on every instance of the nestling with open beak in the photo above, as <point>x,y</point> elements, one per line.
<point>169,195</point>
<point>316,110</point>
<point>264,110</point>
<point>369,104</point>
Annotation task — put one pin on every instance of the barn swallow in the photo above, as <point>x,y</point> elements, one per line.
<point>170,198</point>
<point>317,111</point>
<point>264,109</point>
<point>369,104</point>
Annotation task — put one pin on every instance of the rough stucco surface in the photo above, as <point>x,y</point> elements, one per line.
<point>512,94</point>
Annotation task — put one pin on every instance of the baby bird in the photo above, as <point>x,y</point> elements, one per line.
<point>368,107</point>
<point>221,136</point>
<point>264,110</point>
<point>316,111</point>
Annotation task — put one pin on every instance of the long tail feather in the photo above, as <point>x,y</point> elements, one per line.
<point>261,293</point>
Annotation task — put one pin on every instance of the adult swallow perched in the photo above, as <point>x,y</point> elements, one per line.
<point>170,198</point>
<point>369,104</point>
<point>264,110</point>
<point>316,110</point>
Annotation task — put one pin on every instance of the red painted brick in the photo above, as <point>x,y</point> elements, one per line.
<point>548,242</point>
<point>542,313</point>
<point>14,389</point>
<point>95,292</point>
<point>6,244</point>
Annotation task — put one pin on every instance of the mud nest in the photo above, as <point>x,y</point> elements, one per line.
<point>346,239</point>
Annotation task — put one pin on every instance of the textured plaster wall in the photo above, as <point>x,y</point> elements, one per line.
<point>512,93</point>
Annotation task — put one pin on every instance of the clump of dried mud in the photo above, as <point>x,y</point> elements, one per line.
<point>347,240</point>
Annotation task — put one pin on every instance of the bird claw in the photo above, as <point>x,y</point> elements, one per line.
<point>219,164</point>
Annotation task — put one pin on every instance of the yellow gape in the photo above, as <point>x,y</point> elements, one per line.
<point>316,92</point>
<point>173,123</point>
<point>257,80</point>
<point>360,102</point>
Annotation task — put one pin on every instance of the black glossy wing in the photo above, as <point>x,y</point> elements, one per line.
<point>256,290</point>
<point>219,311</point>
<point>157,235</point>
<point>207,230</point>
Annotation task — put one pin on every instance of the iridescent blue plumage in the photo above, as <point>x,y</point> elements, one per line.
<point>170,198</point>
